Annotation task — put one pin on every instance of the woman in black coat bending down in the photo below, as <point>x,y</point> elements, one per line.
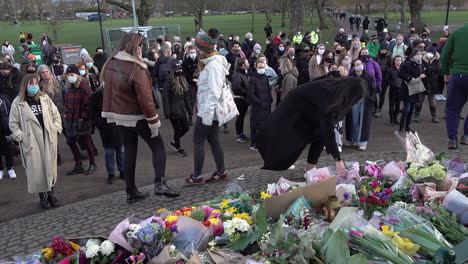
<point>308,115</point>
<point>259,97</point>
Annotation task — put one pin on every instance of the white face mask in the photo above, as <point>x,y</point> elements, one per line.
<point>359,68</point>
<point>321,51</point>
<point>417,57</point>
<point>430,55</point>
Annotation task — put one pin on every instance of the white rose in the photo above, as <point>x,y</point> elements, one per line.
<point>107,248</point>
<point>172,248</point>
<point>92,251</point>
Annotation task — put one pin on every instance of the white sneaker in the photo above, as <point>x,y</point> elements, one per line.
<point>1,175</point>
<point>11,174</point>
<point>292,167</point>
<point>443,98</point>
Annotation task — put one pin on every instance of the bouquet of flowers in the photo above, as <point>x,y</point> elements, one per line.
<point>420,174</point>
<point>317,175</point>
<point>99,251</point>
<point>416,151</point>
<point>151,238</point>
<point>462,188</point>
<point>372,196</point>
<point>283,186</point>
<point>60,251</point>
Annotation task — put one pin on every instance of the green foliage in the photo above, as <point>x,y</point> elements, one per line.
<point>198,214</point>
<point>257,233</point>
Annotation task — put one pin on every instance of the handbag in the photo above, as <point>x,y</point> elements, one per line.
<point>85,126</point>
<point>415,86</point>
<point>226,109</point>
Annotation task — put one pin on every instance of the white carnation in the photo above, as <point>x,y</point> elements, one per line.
<point>172,248</point>
<point>271,188</point>
<point>92,251</point>
<point>107,248</point>
<point>134,227</point>
<point>91,242</point>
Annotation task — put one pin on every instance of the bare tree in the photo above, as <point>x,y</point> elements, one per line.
<point>198,8</point>
<point>402,13</point>
<point>386,9</point>
<point>296,23</point>
<point>320,4</point>
<point>143,11</point>
<point>415,12</point>
<point>284,10</point>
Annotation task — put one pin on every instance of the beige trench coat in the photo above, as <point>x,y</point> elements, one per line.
<point>38,151</point>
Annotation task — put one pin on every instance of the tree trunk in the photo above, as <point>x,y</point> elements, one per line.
<point>200,20</point>
<point>403,13</point>
<point>283,17</point>
<point>268,16</point>
<point>253,21</point>
<point>356,7</point>
<point>415,12</point>
<point>386,9</point>
<point>296,23</point>
<point>320,7</point>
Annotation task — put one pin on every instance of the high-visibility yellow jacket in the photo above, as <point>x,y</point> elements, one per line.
<point>298,39</point>
<point>314,38</point>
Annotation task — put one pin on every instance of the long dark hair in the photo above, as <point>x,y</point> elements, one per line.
<point>345,92</point>
<point>7,67</point>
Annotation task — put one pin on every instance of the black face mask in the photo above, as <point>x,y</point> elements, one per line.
<point>31,71</point>
<point>329,60</point>
<point>178,73</point>
<point>56,61</point>
<point>4,74</point>
<point>337,51</point>
<point>335,73</point>
<point>365,57</point>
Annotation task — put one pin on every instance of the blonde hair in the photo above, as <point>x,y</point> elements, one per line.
<point>286,65</point>
<point>24,85</point>
<point>52,86</point>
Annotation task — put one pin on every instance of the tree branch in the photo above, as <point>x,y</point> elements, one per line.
<point>121,5</point>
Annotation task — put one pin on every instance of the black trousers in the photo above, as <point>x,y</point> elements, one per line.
<point>315,150</point>
<point>242,107</point>
<point>130,141</point>
<point>257,120</point>
<point>383,91</point>
<point>181,127</point>
<point>5,150</point>
<point>394,102</point>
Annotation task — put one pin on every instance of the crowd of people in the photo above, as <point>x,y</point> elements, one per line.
<point>125,95</point>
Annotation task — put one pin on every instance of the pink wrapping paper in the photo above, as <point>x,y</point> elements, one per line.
<point>117,236</point>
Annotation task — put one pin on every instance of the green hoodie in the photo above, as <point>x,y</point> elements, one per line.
<point>454,58</point>
<point>373,49</point>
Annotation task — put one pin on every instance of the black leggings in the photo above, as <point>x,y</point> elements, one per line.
<point>394,102</point>
<point>130,141</point>
<point>181,127</point>
<point>242,107</point>
<point>315,150</point>
<point>5,150</point>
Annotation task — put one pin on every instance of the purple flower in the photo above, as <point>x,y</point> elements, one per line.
<point>355,233</point>
<point>391,221</point>
<point>346,195</point>
<point>145,235</point>
<point>174,229</point>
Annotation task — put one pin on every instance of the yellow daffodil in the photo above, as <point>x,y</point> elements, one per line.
<point>172,218</point>
<point>265,195</point>
<point>405,244</point>
<point>388,231</point>
<point>214,221</point>
<point>377,189</point>
<point>244,216</point>
<point>74,246</point>
<point>231,210</point>
<point>216,211</point>
<point>160,210</point>
<point>47,252</point>
<point>363,188</point>
<point>224,204</point>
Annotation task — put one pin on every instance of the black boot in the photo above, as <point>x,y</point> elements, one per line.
<point>161,188</point>
<point>91,169</point>
<point>122,175</point>
<point>78,169</point>
<point>59,160</point>
<point>453,144</point>
<point>434,114</point>
<point>45,204</point>
<point>417,112</point>
<point>52,199</point>
<point>136,196</point>
<point>110,178</point>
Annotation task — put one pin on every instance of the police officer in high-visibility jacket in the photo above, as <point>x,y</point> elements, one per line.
<point>314,37</point>
<point>298,38</point>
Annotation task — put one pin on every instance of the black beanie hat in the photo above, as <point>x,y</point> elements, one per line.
<point>73,69</point>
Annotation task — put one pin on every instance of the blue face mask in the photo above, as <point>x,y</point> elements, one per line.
<point>257,51</point>
<point>82,72</point>
<point>89,64</point>
<point>193,56</point>
<point>261,71</point>
<point>72,79</point>
<point>33,89</point>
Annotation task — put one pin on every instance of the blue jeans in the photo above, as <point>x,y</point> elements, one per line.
<point>110,156</point>
<point>456,99</point>
<point>406,115</point>
<point>358,117</point>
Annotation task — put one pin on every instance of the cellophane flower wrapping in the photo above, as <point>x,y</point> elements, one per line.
<point>192,236</point>
<point>457,203</point>
<point>118,235</point>
<point>417,229</point>
<point>317,175</point>
<point>394,170</point>
<point>415,150</point>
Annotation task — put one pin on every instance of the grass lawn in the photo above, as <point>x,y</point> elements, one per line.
<point>433,17</point>
<point>87,33</point>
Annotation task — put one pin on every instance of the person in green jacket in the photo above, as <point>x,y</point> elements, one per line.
<point>454,62</point>
<point>373,46</point>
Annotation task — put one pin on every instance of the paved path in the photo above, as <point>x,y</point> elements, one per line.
<point>98,216</point>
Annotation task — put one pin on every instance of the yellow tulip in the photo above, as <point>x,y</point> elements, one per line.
<point>224,204</point>
<point>48,252</point>
<point>388,231</point>
<point>265,195</point>
<point>231,210</point>
<point>74,246</point>
<point>244,216</point>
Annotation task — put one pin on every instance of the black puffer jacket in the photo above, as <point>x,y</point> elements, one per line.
<point>162,69</point>
<point>10,85</point>
<point>175,105</point>
<point>434,81</point>
<point>259,93</point>
<point>409,70</point>
<point>239,83</point>
<point>189,67</point>
<point>5,107</point>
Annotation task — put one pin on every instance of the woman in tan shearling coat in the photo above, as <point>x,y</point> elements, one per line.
<point>35,123</point>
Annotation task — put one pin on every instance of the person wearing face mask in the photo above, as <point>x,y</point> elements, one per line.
<point>35,124</point>
<point>341,37</point>
<point>290,75</point>
<point>408,36</point>
<point>413,68</point>
<point>336,52</point>
<point>7,48</point>
<point>365,37</point>
<point>240,86</point>
<point>316,60</point>
<point>355,49</point>
<point>274,62</point>
<point>229,42</point>
<point>344,64</point>
<point>434,82</point>
<point>100,58</point>
<point>349,41</point>
<point>176,99</point>
<point>10,81</point>
<point>384,59</point>
<point>359,120</point>
<point>373,46</point>
<point>164,66</point>
<point>76,104</point>
<point>257,49</point>
<point>5,139</point>
<point>248,44</point>
<point>177,51</point>
<point>365,24</point>
<point>426,39</point>
<point>47,53</point>
<point>392,79</point>
<point>400,48</point>
<point>92,72</point>
<point>302,65</point>
<point>333,72</point>
<point>270,49</point>
<point>322,69</point>
<point>235,53</point>
<point>371,67</point>
<point>58,69</point>
<point>189,68</point>
<point>259,97</point>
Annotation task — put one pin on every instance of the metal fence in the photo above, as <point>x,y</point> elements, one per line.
<point>113,36</point>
